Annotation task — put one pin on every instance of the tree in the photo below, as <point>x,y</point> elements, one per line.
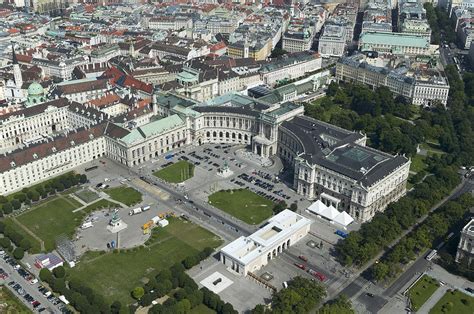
<point>21,197</point>
<point>333,87</point>
<point>279,207</point>
<point>25,244</point>
<point>6,244</point>
<point>7,208</point>
<point>294,207</point>
<point>258,309</point>
<point>16,204</point>
<point>138,293</point>
<point>18,253</point>
<point>301,296</point>
<point>83,178</point>
<point>58,285</point>
<point>190,261</point>
<point>45,275</point>
<point>182,307</point>
<point>340,305</point>
<point>59,272</point>
<point>115,307</point>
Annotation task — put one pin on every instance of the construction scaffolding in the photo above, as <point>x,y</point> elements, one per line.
<point>65,248</point>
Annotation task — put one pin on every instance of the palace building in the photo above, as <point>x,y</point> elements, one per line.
<point>329,163</point>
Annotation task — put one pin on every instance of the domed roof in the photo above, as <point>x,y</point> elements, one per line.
<point>35,89</point>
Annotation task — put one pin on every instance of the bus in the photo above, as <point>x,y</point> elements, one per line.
<point>91,168</point>
<point>431,255</point>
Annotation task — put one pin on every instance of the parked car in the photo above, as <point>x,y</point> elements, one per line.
<point>300,266</point>
<point>303,258</point>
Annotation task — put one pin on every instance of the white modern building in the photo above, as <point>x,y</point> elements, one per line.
<point>466,243</point>
<point>249,254</point>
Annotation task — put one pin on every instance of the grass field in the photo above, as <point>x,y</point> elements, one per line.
<point>454,302</point>
<point>177,172</point>
<point>422,291</point>
<point>52,218</point>
<point>10,304</point>
<point>202,309</point>
<point>87,196</point>
<point>127,195</point>
<point>243,204</point>
<point>35,244</point>
<point>99,205</point>
<point>418,163</point>
<point>114,275</point>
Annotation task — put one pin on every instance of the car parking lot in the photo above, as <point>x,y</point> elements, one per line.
<point>25,287</point>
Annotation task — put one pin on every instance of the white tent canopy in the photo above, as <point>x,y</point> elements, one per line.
<point>343,219</point>
<point>317,207</point>
<point>330,213</point>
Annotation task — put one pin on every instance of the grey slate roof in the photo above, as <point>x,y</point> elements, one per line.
<point>334,148</point>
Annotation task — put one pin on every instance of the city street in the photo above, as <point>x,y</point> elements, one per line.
<point>375,304</point>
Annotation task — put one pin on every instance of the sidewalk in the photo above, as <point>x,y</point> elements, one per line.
<point>431,302</point>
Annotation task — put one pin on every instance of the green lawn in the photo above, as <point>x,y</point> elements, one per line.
<point>177,172</point>
<point>114,275</point>
<point>454,302</point>
<point>243,204</point>
<point>422,291</point>
<point>127,195</point>
<point>99,205</point>
<point>202,309</point>
<point>87,196</point>
<point>10,304</point>
<point>418,163</point>
<point>432,148</point>
<point>52,218</point>
<point>35,244</point>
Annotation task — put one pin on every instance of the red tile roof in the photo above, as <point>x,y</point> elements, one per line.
<point>42,150</point>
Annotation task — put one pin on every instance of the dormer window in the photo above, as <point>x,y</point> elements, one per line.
<point>35,156</point>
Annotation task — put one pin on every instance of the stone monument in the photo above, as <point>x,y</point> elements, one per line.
<point>116,224</point>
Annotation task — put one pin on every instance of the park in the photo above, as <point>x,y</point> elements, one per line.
<point>243,204</point>
<point>115,273</point>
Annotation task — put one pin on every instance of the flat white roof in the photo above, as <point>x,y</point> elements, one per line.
<point>279,227</point>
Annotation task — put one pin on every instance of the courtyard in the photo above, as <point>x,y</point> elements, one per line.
<point>243,204</point>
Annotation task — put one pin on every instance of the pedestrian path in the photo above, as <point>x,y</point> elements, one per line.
<point>431,302</point>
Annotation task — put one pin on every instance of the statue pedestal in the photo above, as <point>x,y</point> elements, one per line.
<point>116,224</point>
<point>224,173</point>
<point>117,227</point>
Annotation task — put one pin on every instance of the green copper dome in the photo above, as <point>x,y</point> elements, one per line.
<point>35,89</point>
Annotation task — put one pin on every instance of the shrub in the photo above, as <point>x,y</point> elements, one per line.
<point>59,272</point>
<point>16,204</point>
<point>45,275</point>
<point>7,208</point>
<point>138,293</point>
<point>18,253</point>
